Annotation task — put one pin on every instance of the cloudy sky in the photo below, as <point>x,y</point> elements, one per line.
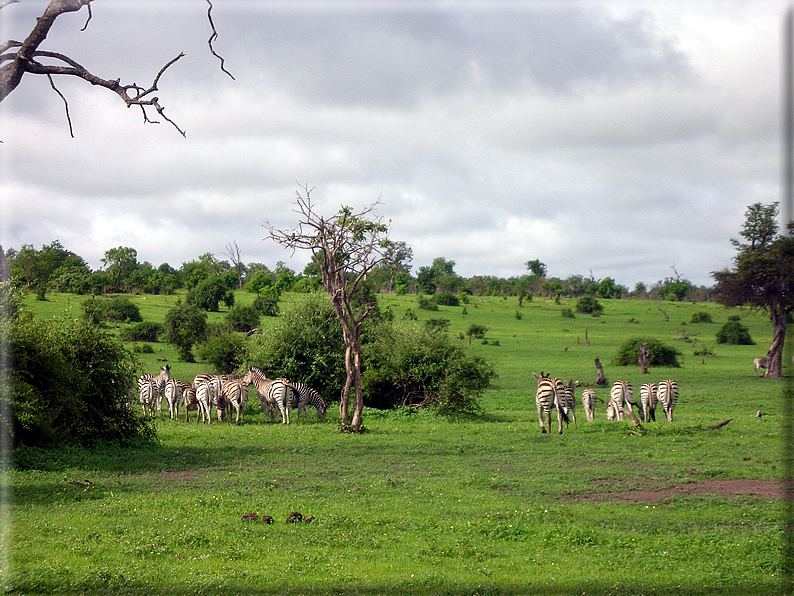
<point>615,137</point>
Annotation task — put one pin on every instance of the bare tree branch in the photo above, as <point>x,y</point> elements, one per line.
<point>65,104</point>
<point>212,38</point>
<point>7,2</point>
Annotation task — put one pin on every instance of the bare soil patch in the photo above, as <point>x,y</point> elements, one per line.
<point>765,489</point>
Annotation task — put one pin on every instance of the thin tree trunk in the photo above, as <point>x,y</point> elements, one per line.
<point>344,400</point>
<point>358,405</point>
<point>774,364</point>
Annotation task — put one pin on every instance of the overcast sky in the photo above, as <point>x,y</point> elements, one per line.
<point>620,138</point>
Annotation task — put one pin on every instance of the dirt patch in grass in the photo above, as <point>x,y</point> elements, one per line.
<point>181,475</point>
<point>766,489</point>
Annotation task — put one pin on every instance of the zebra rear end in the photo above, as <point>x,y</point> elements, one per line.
<point>668,395</point>
<point>589,403</point>
<point>648,400</point>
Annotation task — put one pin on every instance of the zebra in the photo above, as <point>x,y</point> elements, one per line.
<point>204,401</point>
<point>235,393</point>
<point>668,395</point>
<point>272,393</point>
<point>304,396</point>
<point>190,400</point>
<point>566,400</point>
<point>589,403</point>
<point>147,395</point>
<point>648,400</point>
<point>173,393</point>
<point>545,399</point>
<point>760,363</point>
<point>213,383</point>
<point>621,394</point>
<point>159,381</point>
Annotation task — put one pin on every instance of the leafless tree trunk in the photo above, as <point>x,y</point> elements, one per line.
<point>233,252</point>
<point>347,247</point>
<point>601,380</point>
<point>643,356</point>
<point>4,273</point>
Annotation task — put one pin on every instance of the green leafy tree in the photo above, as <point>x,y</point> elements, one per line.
<point>209,293</point>
<point>588,304</point>
<point>120,262</point>
<point>185,325</point>
<point>537,268</point>
<point>659,354</point>
<point>222,348</point>
<point>763,275</point>
<point>243,317</point>
<point>733,332</point>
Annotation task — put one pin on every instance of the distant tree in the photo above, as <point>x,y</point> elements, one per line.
<point>210,292</point>
<point>185,325</point>
<point>261,279</point>
<point>350,245</point>
<point>233,252</point>
<point>588,304</point>
<point>763,277</point>
<point>733,332</point>
<point>119,263</point>
<point>640,290</point>
<point>537,268</point>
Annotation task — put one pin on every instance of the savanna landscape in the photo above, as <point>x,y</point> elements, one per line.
<point>424,504</point>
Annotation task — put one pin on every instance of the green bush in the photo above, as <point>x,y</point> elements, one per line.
<point>567,313</point>
<point>143,349</point>
<point>446,299</point>
<point>185,325</point>
<point>733,332</point>
<point>589,305</point>
<point>660,354</point>
<point>210,292</point>
<point>701,317</point>
<point>426,303</point>
<point>266,301</point>
<point>225,350</point>
<point>437,324</point>
<point>243,318</point>
<point>120,309</point>
<point>70,383</point>
<point>477,331</point>
<point>408,365</point>
<point>143,331</point>
<point>305,344</point>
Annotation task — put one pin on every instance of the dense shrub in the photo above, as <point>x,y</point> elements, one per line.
<point>70,383</point>
<point>477,331</point>
<point>437,324</point>
<point>261,279</point>
<point>266,301</point>
<point>567,313</point>
<point>418,366</point>
<point>305,344</point>
<point>243,318</point>
<point>223,348</point>
<point>733,332</point>
<point>446,299</point>
<point>119,308</point>
<point>185,325</point>
<point>660,354</point>
<point>210,292</point>
<point>426,303</point>
<point>701,317</point>
<point>589,305</point>
<point>143,331</point>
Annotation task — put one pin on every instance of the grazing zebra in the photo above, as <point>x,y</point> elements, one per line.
<point>272,393</point>
<point>612,410</point>
<point>668,395</point>
<point>147,395</point>
<point>204,400</point>
<point>173,393</point>
<point>213,383</point>
<point>545,399</point>
<point>234,393</point>
<point>159,381</point>
<point>621,394</point>
<point>648,399</point>
<point>304,396</point>
<point>190,401</point>
<point>760,363</point>
<point>589,403</point>
<point>567,400</point>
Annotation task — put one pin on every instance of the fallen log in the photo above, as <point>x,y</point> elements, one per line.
<point>720,425</point>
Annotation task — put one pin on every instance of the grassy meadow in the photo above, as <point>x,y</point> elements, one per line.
<point>425,505</point>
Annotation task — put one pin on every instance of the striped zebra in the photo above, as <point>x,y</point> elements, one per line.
<point>173,393</point>
<point>621,395</point>
<point>760,363</point>
<point>567,400</point>
<point>612,410</point>
<point>190,401</point>
<point>545,399</point>
<point>204,401</point>
<point>648,400</point>
<point>589,403</point>
<point>153,397</point>
<point>214,383</point>
<point>147,395</point>
<point>668,396</point>
<point>234,393</point>
<point>304,396</point>
<point>272,393</point>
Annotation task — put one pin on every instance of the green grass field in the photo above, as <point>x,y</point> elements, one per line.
<point>424,505</point>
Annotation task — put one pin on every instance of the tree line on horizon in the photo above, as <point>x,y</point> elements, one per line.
<point>55,268</point>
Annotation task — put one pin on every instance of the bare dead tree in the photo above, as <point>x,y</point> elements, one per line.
<point>346,246</point>
<point>643,357</point>
<point>233,252</point>
<point>601,379</point>
<point>20,58</point>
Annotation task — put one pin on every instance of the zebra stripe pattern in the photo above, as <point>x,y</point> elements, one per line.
<point>272,393</point>
<point>620,395</point>
<point>190,401</point>
<point>545,399</point>
<point>589,403</point>
<point>234,393</point>
<point>147,395</point>
<point>668,395</point>
<point>567,401</point>
<point>156,396</point>
<point>648,400</point>
<point>305,396</point>
<point>204,400</point>
<point>173,393</point>
<point>760,363</point>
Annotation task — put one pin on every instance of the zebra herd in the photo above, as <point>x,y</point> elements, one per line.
<point>553,393</point>
<point>224,393</point>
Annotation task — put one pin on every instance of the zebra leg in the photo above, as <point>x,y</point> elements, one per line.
<point>541,415</point>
